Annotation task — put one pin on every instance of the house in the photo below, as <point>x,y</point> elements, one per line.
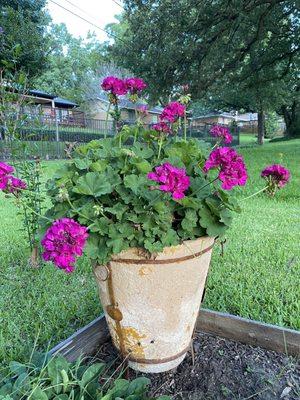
<point>51,108</point>
<point>226,118</point>
<point>98,107</point>
<point>214,117</point>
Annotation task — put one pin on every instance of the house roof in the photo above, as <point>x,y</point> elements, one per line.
<point>58,101</point>
<point>215,114</point>
<point>129,105</point>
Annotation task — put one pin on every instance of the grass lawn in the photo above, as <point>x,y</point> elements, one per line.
<point>258,277</point>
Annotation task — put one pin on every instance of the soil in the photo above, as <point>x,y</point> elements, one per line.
<point>223,369</point>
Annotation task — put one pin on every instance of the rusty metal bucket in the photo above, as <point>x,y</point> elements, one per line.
<point>151,305</point>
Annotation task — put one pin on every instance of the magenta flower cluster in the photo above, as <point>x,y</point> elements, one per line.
<point>114,85</point>
<point>232,169</point>
<point>221,132</point>
<point>119,87</point>
<point>277,174</point>
<point>135,85</point>
<point>63,242</point>
<point>172,112</point>
<point>8,182</point>
<point>173,180</point>
<point>162,127</point>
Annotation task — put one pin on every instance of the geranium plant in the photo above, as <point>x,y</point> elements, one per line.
<point>157,192</point>
<point>154,193</point>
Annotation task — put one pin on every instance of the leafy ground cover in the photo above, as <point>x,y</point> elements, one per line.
<point>258,277</point>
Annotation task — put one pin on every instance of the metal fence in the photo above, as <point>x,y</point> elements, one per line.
<point>55,140</point>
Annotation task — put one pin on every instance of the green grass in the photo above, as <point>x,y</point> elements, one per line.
<point>258,277</point>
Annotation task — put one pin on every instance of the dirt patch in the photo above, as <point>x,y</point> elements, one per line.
<point>223,369</point>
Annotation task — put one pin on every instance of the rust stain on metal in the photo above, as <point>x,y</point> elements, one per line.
<point>145,271</point>
<point>114,313</point>
<point>132,341</point>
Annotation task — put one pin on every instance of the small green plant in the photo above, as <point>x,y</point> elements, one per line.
<point>47,377</point>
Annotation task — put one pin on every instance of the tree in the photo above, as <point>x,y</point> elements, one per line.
<point>23,24</point>
<point>251,44</point>
<point>72,64</point>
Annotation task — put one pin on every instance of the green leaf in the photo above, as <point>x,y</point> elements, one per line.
<point>91,373</point>
<point>190,220</point>
<point>143,166</point>
<point>38,394</point>
<point>99,166</point>
<point>6,389</point>
<point>214,204</point>
<point>22,383</point>
<point>54,367</point>
<point>82,163</point>
<point>135,182</point>
<point>199,188</point>
<point>190,202</point>
<point>226,216</point>
<point>138,385</point>
<point>93,184</point>
<point>116,244</point>
<point>108,396</point>
<point>210,222</point>
<point>120,388</point>
<point>17,368</point>
<point>100,225</point>
<point>117,210</point>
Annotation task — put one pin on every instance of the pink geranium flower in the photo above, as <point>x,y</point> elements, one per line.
<point>135,85</point>
<point>277,175</point>
<point>172,179</point>
<point>9,183</point>
<point>172,112</point>
<point>114,85</point>
<point>14,185</point>
<point>162,127</point>
<point>63,242</point>
<point>221,132</point>
<point>5,169</point>
<point>232,169</point>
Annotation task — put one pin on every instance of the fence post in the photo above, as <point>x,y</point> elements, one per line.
<point>56,125</point>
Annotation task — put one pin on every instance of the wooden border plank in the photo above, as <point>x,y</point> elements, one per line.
<point>86,341</point>
<point>246,331</point>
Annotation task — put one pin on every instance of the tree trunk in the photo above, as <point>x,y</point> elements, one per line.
<point>260,127</point>
<point>291,120</point>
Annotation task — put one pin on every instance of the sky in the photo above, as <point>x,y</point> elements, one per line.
<point>99,12</point>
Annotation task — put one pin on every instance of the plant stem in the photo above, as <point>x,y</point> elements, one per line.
<point>207,184</point>
<point>106,120</point>
<point>184,125</point>
<point>160,147</point>
<point>254,194</point>
<point>77,212</point>
<point>34,212</point>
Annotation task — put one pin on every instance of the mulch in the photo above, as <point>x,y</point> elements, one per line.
<point>223,369</point>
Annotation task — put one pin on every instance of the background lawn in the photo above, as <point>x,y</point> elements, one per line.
<point>258,277</point>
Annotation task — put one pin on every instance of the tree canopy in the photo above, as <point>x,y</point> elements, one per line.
<point>23,36</point>
<point>239,53</point>
<point>72,64</point>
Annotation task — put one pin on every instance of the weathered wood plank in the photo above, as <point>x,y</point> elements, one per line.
<point>246,331</point>
<point>85,341</point>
